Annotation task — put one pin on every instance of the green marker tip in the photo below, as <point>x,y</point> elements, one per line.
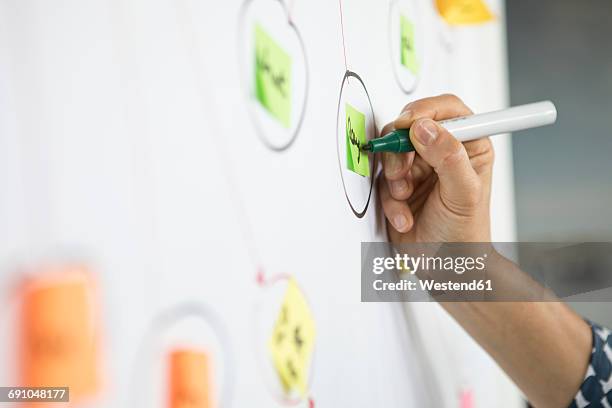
<point>366,147</point>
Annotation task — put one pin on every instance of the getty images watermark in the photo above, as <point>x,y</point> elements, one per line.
<point>503,271</point>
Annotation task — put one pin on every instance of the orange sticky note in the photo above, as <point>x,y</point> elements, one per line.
<point>464,12</point>
<point>189,379</point>
<point>58,332</point>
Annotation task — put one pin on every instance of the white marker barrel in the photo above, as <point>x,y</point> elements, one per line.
<point>521,117</point>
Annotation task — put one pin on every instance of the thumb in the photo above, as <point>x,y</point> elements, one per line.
<point>460,186</point>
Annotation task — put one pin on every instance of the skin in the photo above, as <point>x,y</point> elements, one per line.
<point>442,194</point>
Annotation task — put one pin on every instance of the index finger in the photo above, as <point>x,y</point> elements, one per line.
<point>439,107</point>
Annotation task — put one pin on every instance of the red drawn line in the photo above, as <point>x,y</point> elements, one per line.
<point>343,40</point>
<point>263,280</point>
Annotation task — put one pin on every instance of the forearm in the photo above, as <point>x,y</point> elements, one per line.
<point>543,346</point>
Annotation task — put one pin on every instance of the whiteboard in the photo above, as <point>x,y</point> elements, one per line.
<point>129,138</point>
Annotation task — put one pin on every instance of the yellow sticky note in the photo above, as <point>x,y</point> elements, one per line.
<point>464,12</point>
<point>58,333</point>
<point>189,379</point>
<point>404,267</point>
<point>292,341</point>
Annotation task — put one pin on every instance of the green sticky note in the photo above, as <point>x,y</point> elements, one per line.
<point>408,56</point>
<point>356,160</point>
<point>272,77</point>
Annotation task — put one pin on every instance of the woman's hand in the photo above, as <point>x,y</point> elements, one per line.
<point>441,194</point>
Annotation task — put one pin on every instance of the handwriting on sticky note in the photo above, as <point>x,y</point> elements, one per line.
<point>189,379</point>
<point>59,344</point>
<point>464,12</point>
<point>272,76</point>
<point>292,341</point>
<point>356,160</point>
<point>408,56</point>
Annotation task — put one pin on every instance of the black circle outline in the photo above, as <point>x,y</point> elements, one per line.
<point>259,131</point>
<point>165,320</point>
<point>391,53</point>
<point>348,74</point>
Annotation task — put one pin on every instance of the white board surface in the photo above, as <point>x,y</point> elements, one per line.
<point>127,140</point>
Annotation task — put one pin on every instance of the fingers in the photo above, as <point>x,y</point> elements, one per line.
<point>396,165</point>
<point>420,170</point>
<point>481,154</point>
<point>397,211</point>
<point>400,166</point>
<point>460,186</point>
<point>437,108</point>
<point>457,167</point>
<point>444,107</point>
<point>401,189</point>
<point>421,193</point>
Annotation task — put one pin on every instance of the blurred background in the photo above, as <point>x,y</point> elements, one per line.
<point>560,49</point>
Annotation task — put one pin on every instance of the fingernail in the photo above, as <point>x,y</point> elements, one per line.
<point>393,163</point>
<point>405,114</point>
<point>426,132</point>
<point>399,222</point>
<point>398,186</point>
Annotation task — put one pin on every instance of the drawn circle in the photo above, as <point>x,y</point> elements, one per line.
<point>273,16</point>
<point>357,189</point>
<point>265,314</point>
<point>190,326</point>
<point>408,9</point>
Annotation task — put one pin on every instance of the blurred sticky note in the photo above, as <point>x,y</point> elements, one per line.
<point>292,341</point>
<point>464,12</point>
<point>356,160</point>
<point>189,379</point>
<point>59,338</point>
<point>466,399</point>
<point>272,76</point>
<point>408,56</point>
<point>404,267</point>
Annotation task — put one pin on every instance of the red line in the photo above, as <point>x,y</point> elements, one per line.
<point>343,40</point>
<point>264,280</point>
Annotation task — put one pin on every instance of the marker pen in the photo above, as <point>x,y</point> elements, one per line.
<point>466,128</point>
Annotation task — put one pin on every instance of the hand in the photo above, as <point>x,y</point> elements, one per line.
<point>442,193</point>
